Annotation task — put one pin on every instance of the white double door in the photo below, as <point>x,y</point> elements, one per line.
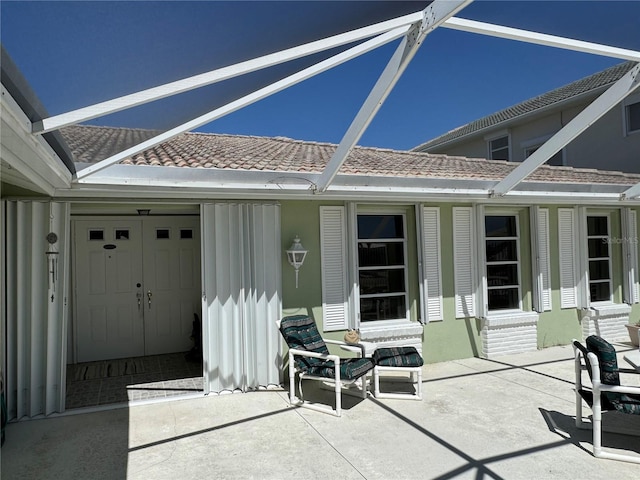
<point>137,286</point>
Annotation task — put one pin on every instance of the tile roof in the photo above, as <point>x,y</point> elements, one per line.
<point>251,153</point>
<point>590,84</point>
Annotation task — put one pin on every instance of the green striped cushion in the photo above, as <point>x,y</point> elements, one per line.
<point>300,332</point>
<point>606,358</point>
<point>397,357</point>
<point>350,368</point>
<point>609,375</point>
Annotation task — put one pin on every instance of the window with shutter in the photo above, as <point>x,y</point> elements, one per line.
<point>382,267</point>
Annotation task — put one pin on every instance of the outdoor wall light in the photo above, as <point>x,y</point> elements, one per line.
<point>295,255</point>
<point>143,211</point>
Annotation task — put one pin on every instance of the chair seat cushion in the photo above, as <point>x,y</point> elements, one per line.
<point>625,402</point>
<point>350,368</point>
<point>397,357</point>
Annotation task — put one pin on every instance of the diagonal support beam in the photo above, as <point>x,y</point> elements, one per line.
<point>248,99</point>
<point>214,76</point>
<point>632,192</point>
<point>601,105</point>
<point>472,26</point>
<point>434,15</point>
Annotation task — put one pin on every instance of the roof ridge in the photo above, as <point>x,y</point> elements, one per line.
<point>609,75</point>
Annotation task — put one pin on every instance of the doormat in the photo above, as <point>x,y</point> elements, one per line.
<point>106,369</point>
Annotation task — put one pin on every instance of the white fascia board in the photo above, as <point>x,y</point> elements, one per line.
<point>29,154</point>
<point>473,26</point>
<point>187,183</point>
<point>110,193</point>
<point>218,75</point>
<point>601,105</point>
<point>248,99</point>
<point>434,15</point>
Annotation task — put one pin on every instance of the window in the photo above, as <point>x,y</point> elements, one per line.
<point>502,262</point>
<point>162,234</point>
<point>632,114</point>
<point>122,234</point>
<point>499,148</point>
<point>96,235</point>
<point>186,233</point>
<point>382,269</point>
<point>554,160</point>
<point>599,251</point>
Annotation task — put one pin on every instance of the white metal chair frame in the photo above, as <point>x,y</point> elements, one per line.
<point>598,388</point>
<point>337,381</point>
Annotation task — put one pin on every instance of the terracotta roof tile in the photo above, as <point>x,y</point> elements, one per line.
<point>238,152</point>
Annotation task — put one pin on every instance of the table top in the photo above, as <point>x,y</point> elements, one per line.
<point>633,358</point>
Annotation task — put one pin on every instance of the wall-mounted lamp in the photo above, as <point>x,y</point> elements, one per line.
<point>295,255</point>
<point>52,263</point>
<point>143,211</point>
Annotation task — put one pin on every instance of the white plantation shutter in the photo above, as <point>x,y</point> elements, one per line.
<point>567,243</point>
<point>544,264</point>
<point>333,251</point>
<point>463,259</point>
<point>630,252</point>
<point>431,262</point>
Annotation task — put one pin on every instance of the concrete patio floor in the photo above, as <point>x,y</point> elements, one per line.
<point>510,418</point>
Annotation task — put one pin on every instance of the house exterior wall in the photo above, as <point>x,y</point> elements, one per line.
<point>604,145</point>
<point>451,337</point>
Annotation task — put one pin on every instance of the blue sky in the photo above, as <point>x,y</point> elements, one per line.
<point>77,53</point>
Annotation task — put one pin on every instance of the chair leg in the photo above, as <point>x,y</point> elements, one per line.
<point>597,426</point>
<point>419,385</point>
<point>338,389</point>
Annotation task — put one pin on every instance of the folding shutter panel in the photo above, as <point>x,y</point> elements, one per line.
<point>544,263</point>
<point>333,251</point>
<point>463,262</point>
<point>567,248</point>
<point>630,249</point>
<point>431,258</point>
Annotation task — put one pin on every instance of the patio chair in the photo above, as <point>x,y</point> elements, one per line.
<point>309,357</point>
<point>606,393</point>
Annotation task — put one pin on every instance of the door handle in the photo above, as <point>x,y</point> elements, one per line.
<point>149,294</point>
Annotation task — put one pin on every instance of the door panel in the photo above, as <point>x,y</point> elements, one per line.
<point>172,277</point>
<point>108,267</point>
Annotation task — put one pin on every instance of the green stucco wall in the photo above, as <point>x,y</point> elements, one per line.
<point>450,338</point>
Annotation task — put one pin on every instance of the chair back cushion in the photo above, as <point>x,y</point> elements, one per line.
<point>607,359</point>
<point>300,332</point>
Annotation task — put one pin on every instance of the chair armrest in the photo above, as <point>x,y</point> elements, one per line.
<point>305,353</point>
<point>356,345</point>
<point>618,389</point>
<point>336,342</point>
